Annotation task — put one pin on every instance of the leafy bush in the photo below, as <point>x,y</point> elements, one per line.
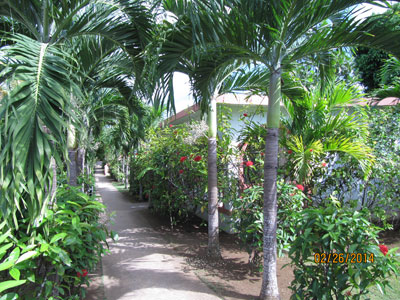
<point>248,218</point>
<point>170,170</point>
<point>53,260</point>
<point>380,191</point>
<point>330,231</point>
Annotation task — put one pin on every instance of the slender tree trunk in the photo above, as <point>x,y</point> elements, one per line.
<point>213,221</point>
<point>126,172</point>
<point>80,163</point>
<point>72,170</point>
<point>269,288</point>
<point>54,182</point>
<point>72,155</point>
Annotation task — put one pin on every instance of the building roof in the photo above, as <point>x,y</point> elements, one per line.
<point>243,99</point>
<point>231,99</point>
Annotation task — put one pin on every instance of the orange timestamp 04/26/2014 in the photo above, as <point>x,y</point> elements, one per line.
<point>334,258</point>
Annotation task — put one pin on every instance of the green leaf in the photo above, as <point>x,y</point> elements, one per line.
<point>59,236</point>
<point>15,273</point>
<point>5,285</point>
<point>5,235</point>
<point>10,296</point>
<point>44,247</point>
<point>26,256</point>
<point>141,174</point>
<point>10,260</point>
<point>353,247</point>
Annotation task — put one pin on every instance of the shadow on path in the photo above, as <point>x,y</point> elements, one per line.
<point>141,264</point>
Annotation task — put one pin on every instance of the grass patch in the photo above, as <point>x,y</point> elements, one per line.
<point>391,293</point>
<point>120,187</point>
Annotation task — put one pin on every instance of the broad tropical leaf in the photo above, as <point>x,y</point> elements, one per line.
<point>33,115</point>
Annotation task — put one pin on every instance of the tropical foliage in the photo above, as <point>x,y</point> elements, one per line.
<point>53,261</point>
<point>74,79</point>
<point>337,255</point>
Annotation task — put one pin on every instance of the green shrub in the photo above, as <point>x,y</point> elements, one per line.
<point>248,218</point>
<point>333,231</point>
<point>170,169</point>
<point>52,262</point>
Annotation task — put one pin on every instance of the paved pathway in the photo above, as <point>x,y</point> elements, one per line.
<point>141,264</point>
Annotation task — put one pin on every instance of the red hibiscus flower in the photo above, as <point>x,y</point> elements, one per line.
<point>180,171</point>
<point>197,158</point>
<point>83,274</point>
<point>183,158</point>
<point>323,164</point>
<point>245,115</point>
<point>249,163</point>
<point>384,249</point>
<point>290,151</point>
<point>310,150</point>
<point>170,125</point>
<point>300,187</point>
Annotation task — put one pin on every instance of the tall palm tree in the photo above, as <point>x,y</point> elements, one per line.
<point>278,34</point>
<point>38,66</point>
<point>207,73</point>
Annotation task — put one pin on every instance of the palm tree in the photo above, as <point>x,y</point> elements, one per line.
<point>38,66</point>
<point>322,123</point>
<point>278,34</point>
<point>207,72</point>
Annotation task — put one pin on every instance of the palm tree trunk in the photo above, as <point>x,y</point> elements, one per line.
<point>269,288</point>
<point>126,172</point>
<point>213,221</point>
<point>72,170</point>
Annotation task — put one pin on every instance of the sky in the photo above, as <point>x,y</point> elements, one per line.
<point>183,96</point>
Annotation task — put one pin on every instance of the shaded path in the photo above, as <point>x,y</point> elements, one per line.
<point>141,264</point>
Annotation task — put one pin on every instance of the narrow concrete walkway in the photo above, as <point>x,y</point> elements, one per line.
<point>141,264</point>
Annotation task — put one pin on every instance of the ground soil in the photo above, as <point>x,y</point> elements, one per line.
<point>232,277</point>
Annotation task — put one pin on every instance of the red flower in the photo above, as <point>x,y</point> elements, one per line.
<point>300,187</point>
<point>197,158</point>
<point>249,163</point>
<point>170,125</point>
<point>384,249</point>
<point>262,153</point>
<point>83,274</point>
<point>290,151</point>
<point>183,158</point>
<point>245,115</point>
<point>323,164</point>
<point>310,150</point>
<point>180,171</point>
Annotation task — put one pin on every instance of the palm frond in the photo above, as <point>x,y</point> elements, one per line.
<point>34,116</point>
